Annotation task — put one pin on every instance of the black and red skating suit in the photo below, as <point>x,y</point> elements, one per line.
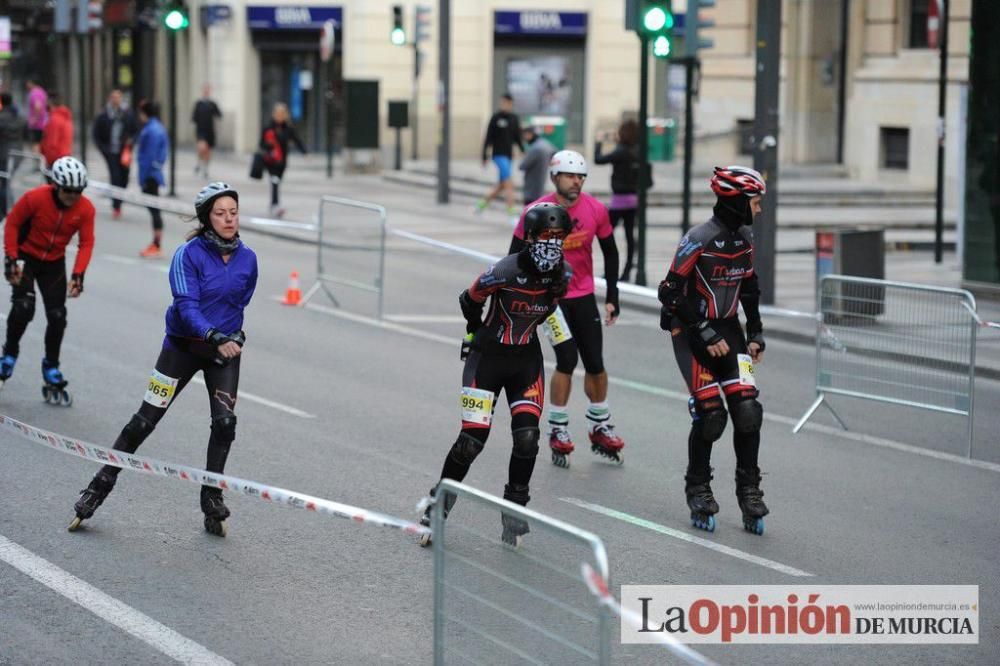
<point>521,300</point>
<point>713,265</point>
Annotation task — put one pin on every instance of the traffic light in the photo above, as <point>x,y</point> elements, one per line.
<point>694,24</point>
<point>175,16</point>
<point>656,23</point>
<point>398,34</point>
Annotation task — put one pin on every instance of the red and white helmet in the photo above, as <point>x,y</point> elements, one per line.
<point>567,161</point>
<point>734,180</point>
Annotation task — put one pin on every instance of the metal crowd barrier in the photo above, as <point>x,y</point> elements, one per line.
<point>539,611</point>
<point>895,342</point>
<point>357,240</point>
<point>14,160</point>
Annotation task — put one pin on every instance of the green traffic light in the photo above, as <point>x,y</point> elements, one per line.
<point>655,19</point>
<point>661,46</point>
<point>175,20</point>
<point>398,36</point>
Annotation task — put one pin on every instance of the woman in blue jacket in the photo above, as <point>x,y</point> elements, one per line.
<point>151,153</point>
<point>212,277</point>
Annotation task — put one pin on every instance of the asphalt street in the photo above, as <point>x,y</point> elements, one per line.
<point>335,404</point>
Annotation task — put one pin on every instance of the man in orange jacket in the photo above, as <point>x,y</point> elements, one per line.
<point>57,137</point>
<point>39,227</point>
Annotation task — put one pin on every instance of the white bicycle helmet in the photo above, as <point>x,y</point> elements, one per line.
<point>69,173</point>
<point>567,161</point>
<point>208,194</point>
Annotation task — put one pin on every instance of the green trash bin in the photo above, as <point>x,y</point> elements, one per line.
<point>552,128</point>
<point>662,139</point>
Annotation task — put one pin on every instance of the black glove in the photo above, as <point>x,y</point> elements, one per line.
<point>239,337</point>
<point>9,267</point>
<point>466,347</point>
<point>666,318</point>
<point>561,283</point>
<point>612,299</point>
<point>217,338</point>
<point>77,281</point>
<point>756,334</point>
<point>472,311</point>
<point>708,335</point>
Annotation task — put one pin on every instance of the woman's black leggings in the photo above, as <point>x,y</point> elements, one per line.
<point>174,369</point>
<point>627,217</point>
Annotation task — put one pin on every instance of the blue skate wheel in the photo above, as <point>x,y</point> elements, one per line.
<point>754,525</point>
<point>706,523</point>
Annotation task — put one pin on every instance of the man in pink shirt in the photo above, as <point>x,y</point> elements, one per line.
<point>575,328</point>
<point>38,114</point>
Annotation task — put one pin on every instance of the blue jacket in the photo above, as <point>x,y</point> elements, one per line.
<point>209,293</point>
<point>151,151</point>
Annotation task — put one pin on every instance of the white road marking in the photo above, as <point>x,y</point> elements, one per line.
<point>684,536</point>
<point>159,637</point>
<point>243,395</point>
<point>642,387</point>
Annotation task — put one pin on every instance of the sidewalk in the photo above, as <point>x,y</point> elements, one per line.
<point>412,207</point>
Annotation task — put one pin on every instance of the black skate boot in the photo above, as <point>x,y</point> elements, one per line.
<point>701,501</point>
<point>750,497</point>
<point>514,528</point>
<point>449,502</point>
<point>215,511</point>
<point>92,497</point>
<point>54,385</point>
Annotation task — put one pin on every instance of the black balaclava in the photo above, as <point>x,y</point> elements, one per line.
<point>734,212</point>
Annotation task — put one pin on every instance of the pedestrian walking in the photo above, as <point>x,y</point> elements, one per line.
<point>625,169</point>
<point>502,134</point>
<point>39,227</point>
<point>113,132</point>
<point>57,137</point>
<point>204,115</point>
<point>38,112</point>
<point>12,129</point>
<point>712,274</point>
<point>575,327</point>
<point>274,142</point>
<point>502,353</point>
<point>151,153</point>
<point>212,278</point>
<point>535,163</point>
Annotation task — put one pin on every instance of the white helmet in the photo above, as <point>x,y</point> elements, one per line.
<point>208,194</point>
<point>69,173</point>
<point>567,161</point>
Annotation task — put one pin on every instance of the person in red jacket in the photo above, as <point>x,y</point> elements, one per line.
<point>39,227</point>
<point>57,137</point>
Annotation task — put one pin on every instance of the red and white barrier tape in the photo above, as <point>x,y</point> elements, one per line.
<point>599,588</point>
<point>233,484</point>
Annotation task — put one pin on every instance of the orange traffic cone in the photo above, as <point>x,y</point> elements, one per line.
<point>293,295</point>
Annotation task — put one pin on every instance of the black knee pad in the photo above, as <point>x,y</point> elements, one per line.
<point>566,357</point>
<point>136,431</point>
<point>516,493</point>
<point>710,419</point>
<point>57,317</point>
<point>465,449</point>
<point>23,308</point>
<point>224,429</point>
<point>526,442</point>
<point>748,415</point>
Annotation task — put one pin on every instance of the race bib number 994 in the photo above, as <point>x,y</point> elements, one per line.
<point>161,390</point>
<point>477,406</point>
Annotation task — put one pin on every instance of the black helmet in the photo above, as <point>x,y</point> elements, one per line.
<point>546,216</point>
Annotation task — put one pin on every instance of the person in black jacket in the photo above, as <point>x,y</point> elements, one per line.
<point>502,134</point>
<point>274,145</point>
<point>12,130</point>
<point>114,130</point>
<point>624,161</point>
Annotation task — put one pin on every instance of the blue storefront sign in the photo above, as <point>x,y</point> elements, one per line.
<point>293,17</point>
<point>542,23</point>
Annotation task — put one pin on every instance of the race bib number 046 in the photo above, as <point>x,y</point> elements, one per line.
<point>477,406</point>
<point>161,390</point>
<point>746,370</point>
<point>556,329</point>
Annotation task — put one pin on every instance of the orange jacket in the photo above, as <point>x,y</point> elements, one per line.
<point>57,137</point>
<point>38,227</point>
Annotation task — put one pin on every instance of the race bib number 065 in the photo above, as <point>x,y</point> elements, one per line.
<point>477,406</point>
<point>161,390</point>
<point>556,329</point>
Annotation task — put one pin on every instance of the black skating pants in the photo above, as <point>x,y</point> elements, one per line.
<point>51,279</point>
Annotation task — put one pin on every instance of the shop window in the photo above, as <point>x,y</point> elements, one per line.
<point>895,148</point>
<point>918,38</point>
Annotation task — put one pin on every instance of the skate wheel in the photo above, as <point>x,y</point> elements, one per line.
<point>216,527</point>
<point>754,525</point>
<point>703,522</point>
<point>74,524</point>
<point>514,541</point>
<point>66,398</point>
<point>560,460</point>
